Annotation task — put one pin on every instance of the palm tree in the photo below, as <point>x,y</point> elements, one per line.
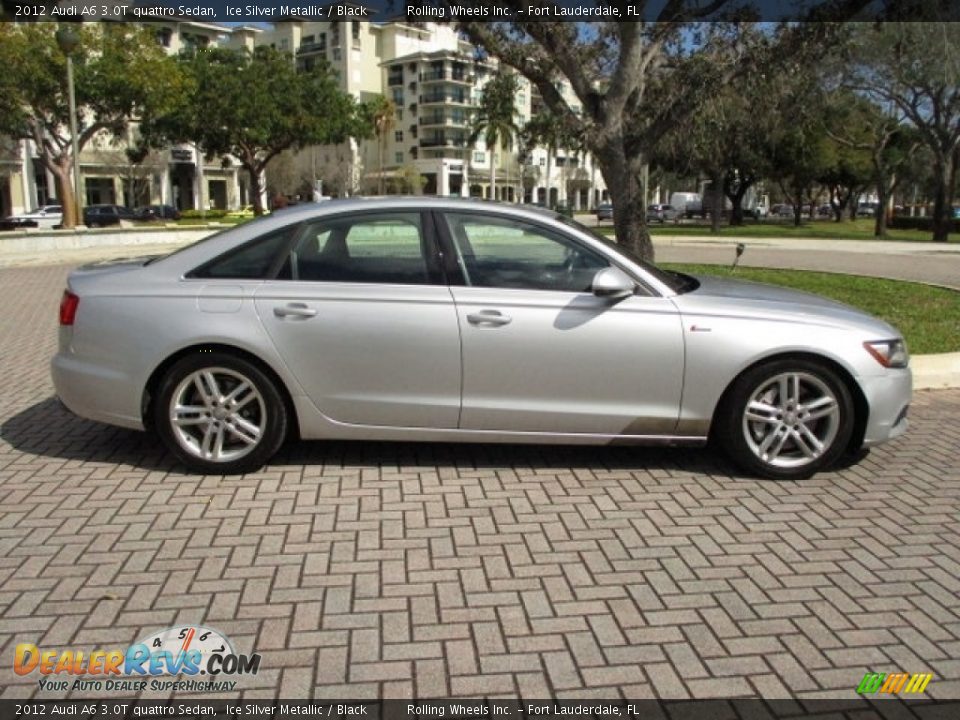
<point>496,119</point>
<point>548,131</point>
<point>384,120</point>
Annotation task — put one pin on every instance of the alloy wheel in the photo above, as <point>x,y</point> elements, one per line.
<point>791,419</point>
<point>217,414</point>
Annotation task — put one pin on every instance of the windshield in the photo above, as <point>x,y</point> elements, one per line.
<point>678,282</point>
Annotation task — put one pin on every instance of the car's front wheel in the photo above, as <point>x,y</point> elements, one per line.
<point>787,419</point>
<point>220,414</point>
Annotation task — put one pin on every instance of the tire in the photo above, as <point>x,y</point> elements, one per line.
<point>765,430</point>
<point>229,426</point>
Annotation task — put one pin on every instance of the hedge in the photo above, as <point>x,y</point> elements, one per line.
<point>209,215</point>
<point>905,222</point>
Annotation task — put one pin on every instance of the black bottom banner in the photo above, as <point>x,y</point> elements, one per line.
<point>733,709</point>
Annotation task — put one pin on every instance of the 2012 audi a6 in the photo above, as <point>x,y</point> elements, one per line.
<point>457,320</point>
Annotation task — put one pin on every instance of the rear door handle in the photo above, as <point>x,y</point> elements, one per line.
<point>489,317</point>
<point>297,310</point>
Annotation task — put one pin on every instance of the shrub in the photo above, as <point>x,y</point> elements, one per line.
<point>209,215</point>
<point>905,222</point>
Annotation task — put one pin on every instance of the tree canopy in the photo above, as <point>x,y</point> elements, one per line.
<point>253,106</point>
<point>120,73</point>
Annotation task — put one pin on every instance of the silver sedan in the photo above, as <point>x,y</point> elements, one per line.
<point>457,320</point>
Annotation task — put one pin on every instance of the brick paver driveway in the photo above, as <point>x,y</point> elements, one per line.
<point>396,570</point>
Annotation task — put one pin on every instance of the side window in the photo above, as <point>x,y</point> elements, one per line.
<point>507,253</point>
<point>371,248</point>
<point>252,261</point>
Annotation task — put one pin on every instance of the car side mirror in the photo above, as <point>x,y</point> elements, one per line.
<point>612,283</point>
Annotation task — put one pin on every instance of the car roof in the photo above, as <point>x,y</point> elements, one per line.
<point>406,202</point>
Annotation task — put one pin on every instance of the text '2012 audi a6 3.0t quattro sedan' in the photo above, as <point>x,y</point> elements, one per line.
<point>458,320</point>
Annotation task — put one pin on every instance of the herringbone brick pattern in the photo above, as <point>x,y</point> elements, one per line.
<point>394,570</point>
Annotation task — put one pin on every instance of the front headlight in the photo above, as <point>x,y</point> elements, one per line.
<point>889,353</point>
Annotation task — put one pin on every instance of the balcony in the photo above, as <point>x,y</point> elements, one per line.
<point>434,76</point>
<point>443,142</point>
<point>446,98</point>
<point>443,121</point>
<point>309,48</point>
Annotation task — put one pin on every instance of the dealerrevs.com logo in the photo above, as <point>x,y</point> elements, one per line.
<point>191,650</point>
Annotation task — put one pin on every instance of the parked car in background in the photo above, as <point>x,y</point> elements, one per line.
<point>782,211</point>
<point>104,215</point>
<point>48,216</point>
<point>867,209</point>
<point>429,319</point>
<point>15,222</point>
<point>662,213</point>
<point>158,212</point>
<point>604,212</point>
<point>825,211</point>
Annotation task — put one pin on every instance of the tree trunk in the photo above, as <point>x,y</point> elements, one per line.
<point>716,203</point>
<point>797,214</point>
<point>546,183</point>
<point>736,198</point>
<point>381,141</point>
<point>941,208</point>
<point>61,173</point>
<point>629,214</point>
<point>493,178</point>
<point>880,221</point>
<point>256,188</point>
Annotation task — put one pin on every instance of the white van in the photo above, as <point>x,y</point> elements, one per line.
<point>679,200</point>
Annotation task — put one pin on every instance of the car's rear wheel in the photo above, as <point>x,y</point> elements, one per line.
<point>220,414</point>
<point>787,419</point>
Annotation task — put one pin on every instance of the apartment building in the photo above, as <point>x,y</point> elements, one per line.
<point>434,80</point>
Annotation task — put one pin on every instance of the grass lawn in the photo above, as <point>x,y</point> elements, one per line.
<point>928,317</point>
<point>861,229</point>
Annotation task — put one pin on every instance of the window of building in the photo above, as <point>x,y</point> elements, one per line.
<point>356,32</point>
<point>398,158</point>
<point>480,157</point>
<point>307,40</point>
<point>398,96</point>
<point>398,135</point>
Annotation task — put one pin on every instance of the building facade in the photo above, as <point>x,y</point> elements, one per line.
<point>431,75</point>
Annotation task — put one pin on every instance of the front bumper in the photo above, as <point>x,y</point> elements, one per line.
<point>888,399</point>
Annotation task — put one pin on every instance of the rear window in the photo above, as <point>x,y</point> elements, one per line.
<point>255,260</point>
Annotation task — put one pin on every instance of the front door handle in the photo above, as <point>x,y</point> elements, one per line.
<point>297,310</point>
<point>488,317</point>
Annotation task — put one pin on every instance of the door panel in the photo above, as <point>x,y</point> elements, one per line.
<point>541,353</point>
<point>369,354</point>
<point>567,362</point>
<point>360,317</point>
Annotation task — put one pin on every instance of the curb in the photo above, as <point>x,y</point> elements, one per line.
<point>932,372</point>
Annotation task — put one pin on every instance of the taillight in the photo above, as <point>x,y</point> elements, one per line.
<point>68,307</point>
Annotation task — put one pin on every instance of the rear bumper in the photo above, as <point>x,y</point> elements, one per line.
<point>96,393</point>
<point>888,397</point>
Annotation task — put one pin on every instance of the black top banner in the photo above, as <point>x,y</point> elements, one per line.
<point>259,11</point>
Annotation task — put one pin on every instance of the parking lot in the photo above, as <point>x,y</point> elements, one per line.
<point>400,570</point>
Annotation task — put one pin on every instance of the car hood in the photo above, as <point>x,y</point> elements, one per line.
<point>742,298</point>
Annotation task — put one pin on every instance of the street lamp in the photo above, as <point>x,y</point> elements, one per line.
<point>68,40</point>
